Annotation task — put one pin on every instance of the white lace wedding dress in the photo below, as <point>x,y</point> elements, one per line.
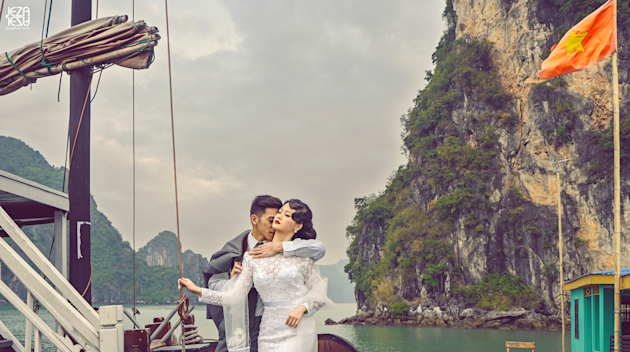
<point>283,283</point>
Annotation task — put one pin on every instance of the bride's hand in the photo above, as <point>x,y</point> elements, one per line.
<point>190,286</point>
<point>237,269</point>
<point>296,315</point>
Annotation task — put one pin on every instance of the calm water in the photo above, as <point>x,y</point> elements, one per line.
<point>365,338</point>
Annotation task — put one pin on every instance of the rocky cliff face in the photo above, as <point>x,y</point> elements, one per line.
<point>162,250</point>
<point>521,33</point>
<point>192,265</point>
<point>480,161</point>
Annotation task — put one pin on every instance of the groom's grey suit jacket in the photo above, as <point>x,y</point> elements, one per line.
<point>220,266</point>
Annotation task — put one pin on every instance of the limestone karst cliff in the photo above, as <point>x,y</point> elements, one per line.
<point>478,194</point>
<point>162,250</point>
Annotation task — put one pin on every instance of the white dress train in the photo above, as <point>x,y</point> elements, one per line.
<point>283,283</point>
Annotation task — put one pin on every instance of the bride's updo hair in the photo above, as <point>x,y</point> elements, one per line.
<point>304,216</point>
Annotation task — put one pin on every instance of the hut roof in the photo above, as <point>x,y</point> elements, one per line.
<point>606,277</point>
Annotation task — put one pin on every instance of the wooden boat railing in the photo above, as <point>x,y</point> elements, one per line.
<point>325,343</point>
<point>79,326</point>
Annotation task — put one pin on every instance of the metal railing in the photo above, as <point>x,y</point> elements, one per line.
<point>624,343</point>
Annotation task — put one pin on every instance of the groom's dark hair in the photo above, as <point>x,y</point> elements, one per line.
<point>261,203</point>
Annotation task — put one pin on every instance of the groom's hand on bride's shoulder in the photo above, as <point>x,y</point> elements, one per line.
<point>268,249</point>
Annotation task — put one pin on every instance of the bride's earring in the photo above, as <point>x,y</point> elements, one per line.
<point>295,231</point>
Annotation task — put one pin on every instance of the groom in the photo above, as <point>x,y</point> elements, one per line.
<point>257,242</point>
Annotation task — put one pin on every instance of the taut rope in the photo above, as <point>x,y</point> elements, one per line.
<point>182,310</point>
<point>134,310</point>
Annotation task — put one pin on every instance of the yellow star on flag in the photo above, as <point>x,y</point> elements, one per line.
<point>574,42</point>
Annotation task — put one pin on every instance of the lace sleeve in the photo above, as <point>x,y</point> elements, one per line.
<point>239,284</point>
<point>316,298</point>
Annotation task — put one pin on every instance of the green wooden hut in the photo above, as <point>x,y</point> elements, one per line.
<point>592,310</point>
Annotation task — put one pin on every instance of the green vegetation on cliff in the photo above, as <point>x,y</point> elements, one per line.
<point>501,292</point>
<point>111,256</point>
<point>112,263</point>
<point>19,159</point>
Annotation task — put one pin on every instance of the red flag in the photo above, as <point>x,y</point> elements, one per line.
<point>589,41</point>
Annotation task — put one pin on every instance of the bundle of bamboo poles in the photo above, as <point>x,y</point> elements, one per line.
<point>105,41</point>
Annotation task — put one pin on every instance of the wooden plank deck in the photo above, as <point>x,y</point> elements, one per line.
<point>515,344</point>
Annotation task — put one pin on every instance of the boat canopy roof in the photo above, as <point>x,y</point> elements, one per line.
<point>28,202</point>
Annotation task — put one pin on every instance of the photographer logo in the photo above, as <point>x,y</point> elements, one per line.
<point>19,18</point>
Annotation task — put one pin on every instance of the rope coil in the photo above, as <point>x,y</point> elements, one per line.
<point>191,335</point>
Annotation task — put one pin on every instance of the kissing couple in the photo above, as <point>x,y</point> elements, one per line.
<point>263,286</point>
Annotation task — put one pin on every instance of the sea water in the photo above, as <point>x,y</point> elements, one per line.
<point>365,338</point>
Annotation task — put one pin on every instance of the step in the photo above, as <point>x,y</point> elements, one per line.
<point>6,343</point>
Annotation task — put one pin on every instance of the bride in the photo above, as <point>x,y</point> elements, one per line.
<point>291,289</point>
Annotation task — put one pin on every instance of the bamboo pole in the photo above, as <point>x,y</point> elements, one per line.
<point>617,201</point>
<point>96,60</point>
<point>560,245</point>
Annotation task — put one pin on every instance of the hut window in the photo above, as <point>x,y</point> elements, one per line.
<point>577,319</point>
<point>625,314</point>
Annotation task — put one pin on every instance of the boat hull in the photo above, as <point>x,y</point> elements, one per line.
<point>325,343</point>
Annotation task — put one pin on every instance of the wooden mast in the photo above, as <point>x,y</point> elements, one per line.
<point>79,175</point>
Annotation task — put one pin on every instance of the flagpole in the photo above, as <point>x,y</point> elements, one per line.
<point>560,245</point>
<point>604,37</point>
<point>617,199</point>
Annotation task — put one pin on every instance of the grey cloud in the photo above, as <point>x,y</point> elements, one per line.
<point>304,105</point>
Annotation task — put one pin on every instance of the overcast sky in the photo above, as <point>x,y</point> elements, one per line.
<point>298,99</point>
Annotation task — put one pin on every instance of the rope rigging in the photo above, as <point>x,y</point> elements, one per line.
<point>134,310</point>
<point>189,334</point>
<point>41,43</point>
<point>182,309</point>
